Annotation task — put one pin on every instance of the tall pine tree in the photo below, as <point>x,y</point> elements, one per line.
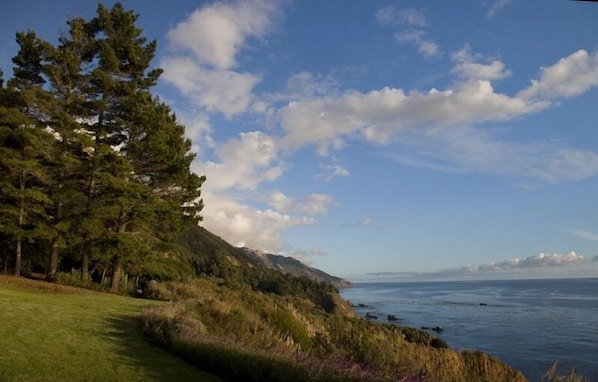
<point>118,186</point>
<point>24,148</point>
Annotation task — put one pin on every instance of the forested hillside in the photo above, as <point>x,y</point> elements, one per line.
<point>94,170</point>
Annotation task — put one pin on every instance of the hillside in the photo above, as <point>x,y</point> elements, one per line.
<point>294,267</point>
<point>212,255</point>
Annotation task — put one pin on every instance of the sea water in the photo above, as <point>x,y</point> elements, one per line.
<point>529,324</point>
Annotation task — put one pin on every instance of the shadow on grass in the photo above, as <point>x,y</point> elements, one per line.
<point>156,363</point>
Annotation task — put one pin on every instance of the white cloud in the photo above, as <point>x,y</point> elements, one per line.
<point>224,91</point>
<point>570,76</point>
<point>216,32</point>
<point>204,50</point>
<point>439,125</point>
<point>313,204</point>
<point>541,260</point>
<point>380,114</point>
<point>538,264</point>
<point>496,7</point>
<point>586,235</point>
<point>331,171</point>
<point>244,163</point>
<point>243,225</point>
<point>467,149</point>
<point>409,16</point>
<point>425,47</point>
<point>466,66</point>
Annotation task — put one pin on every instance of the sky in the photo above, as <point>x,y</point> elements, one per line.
<point>382,140</point>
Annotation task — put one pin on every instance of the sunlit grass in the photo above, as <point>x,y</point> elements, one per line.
<point>53,333</point>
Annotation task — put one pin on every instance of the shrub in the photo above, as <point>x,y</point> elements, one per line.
<point>74,279</point>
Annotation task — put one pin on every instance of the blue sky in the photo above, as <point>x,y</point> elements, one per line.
<point>382,140</point>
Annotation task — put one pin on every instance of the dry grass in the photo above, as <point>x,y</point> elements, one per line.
<point>246,328</point>
<point>552,375</point>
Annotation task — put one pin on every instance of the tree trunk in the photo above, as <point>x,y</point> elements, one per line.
<point>53,263</point>
<point>116,271</point>
<point>18,259</point>
<point>21,221</point>
<point>84,266</point>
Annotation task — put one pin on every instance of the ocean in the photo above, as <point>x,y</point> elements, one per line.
<point>529,324</point>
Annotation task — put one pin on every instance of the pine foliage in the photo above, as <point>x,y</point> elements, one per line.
<point>95,169</point>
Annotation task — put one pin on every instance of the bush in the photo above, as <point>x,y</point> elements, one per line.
<point>74,279</point>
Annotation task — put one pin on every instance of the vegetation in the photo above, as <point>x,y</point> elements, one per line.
<point>95,169</point>
<point>248,335</point>
<point>55,333</point>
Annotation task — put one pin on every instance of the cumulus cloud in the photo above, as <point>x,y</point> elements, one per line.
<point>204,50</point>
<point>467,66</point>
<point>569,77</point>
<point>244,162</point>
<point>379,114</point>
<point>216,32</point>
<point>244,225</point>
<point>223,91</point>
<point>440,127</point>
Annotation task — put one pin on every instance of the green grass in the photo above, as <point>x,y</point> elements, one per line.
<point>62,335</point>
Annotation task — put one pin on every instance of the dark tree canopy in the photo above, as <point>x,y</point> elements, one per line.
<point>95,169</point>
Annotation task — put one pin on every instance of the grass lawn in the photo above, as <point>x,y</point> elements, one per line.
<point>56,333</point>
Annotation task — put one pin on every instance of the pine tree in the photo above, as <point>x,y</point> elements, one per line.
<point>64,67</point>
<point>24,148</point>
<point>116,185</point>
<point>155,185</point>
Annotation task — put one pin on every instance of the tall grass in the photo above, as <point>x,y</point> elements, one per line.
<point>552,375</point>
<point>250,336</point>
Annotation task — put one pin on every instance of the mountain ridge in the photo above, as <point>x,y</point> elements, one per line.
<point>293,266</point>
<point>214,256</point>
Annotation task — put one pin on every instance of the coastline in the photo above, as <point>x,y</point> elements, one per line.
<point>491,315</point>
